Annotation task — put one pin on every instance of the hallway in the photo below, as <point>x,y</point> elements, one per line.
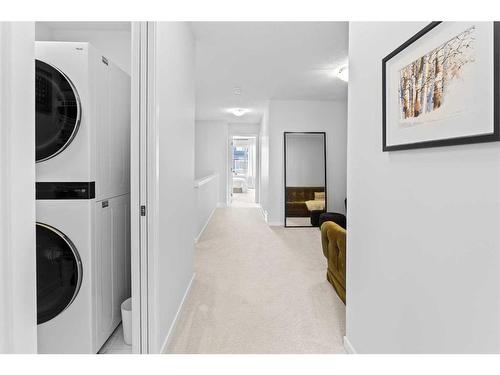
<point>259,289</point>
<point>244,199</point>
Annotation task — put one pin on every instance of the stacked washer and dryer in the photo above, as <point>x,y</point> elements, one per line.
<point>82,192</point>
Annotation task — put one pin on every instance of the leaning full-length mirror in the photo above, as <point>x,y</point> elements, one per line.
<point>305,178</point>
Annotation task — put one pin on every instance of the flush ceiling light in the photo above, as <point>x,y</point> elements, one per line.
<point>343,73</point>
<point>238,112</point>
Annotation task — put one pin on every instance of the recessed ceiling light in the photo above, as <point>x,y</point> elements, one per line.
<point>343,73</point>
<point>237,90</point>
<point>238,112</point>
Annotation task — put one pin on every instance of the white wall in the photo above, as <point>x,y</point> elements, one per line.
<point>264,162</point>
<point>305,160</point>
<point>211,153</point>
<point>244,128</point>
<point>297,115</point>
<point>424,242</point>
<point>115,44</point>
<point>17,189</point>
<point>175,95</point>
<point>212,150</point>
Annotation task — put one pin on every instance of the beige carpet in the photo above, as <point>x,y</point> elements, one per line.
<point>244,199</point>
<point>259,289</point>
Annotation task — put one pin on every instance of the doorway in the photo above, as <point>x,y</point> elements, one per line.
<point>82,163</point>
<point>243,171</point>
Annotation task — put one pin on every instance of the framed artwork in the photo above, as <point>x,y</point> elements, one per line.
<point>441,87</point>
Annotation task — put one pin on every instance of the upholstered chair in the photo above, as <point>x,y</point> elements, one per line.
<point>333,238</point>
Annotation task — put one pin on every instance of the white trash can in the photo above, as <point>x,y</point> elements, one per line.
<point>127,321</point>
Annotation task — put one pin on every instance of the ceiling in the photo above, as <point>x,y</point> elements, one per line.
<point>99,25</point>
<point>267,60</point>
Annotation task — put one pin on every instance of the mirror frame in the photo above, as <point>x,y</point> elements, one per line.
<point>284,174</point>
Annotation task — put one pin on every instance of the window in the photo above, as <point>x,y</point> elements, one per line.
<point>240,160</point>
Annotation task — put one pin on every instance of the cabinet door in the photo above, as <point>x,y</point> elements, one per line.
<point>121,262</point>
<point>119,120</point>
<point>112,255</point>
<point>103,130</point>
<point>104,270</point>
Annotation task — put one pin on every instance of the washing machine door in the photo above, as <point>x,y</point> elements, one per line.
<point>58,111</point>
<point>59,272</point>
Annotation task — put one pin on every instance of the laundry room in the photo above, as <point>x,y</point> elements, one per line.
<point>83,186</point>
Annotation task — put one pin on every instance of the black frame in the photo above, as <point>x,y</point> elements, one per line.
<point>493,137</point>
<point>284,173</point>
<point>65,190</point>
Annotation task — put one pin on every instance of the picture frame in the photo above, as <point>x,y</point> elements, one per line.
<point>441,87</point>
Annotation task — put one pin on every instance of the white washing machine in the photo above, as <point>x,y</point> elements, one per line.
<point>83,269</point>
<point>82,118</point>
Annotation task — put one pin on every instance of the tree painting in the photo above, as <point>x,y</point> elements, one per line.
<point>423,83</point>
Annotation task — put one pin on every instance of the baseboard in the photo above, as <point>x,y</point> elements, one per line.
<point>275,223</point>
<point>348,346</point>
<point>266,219</point>
<point>264,213</point>
<point>164,347</point>
<point>196,239</point>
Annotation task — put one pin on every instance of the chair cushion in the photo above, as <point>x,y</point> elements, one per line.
<point>340,219</point>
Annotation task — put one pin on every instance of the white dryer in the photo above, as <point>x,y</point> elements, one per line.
<point>64,275</point>
<point>82,118</point>
<point>83,269</point>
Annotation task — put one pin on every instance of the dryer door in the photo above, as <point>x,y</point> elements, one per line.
<point>59,272</point>
<point>58,111</point>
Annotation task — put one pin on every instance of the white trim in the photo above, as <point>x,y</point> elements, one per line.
<point>266,219</point>
<point>196,239</point>
<point>18,314</point>
<point>166,342</point>
<point>264,213</point>
<point>229,174</point>
<point>135,180</point>
<point>348,346</point>
<point>204,180</point>
<point>275,223</point>
<point>152,178</point>
<point>229,170</point>
<point>142,183</point>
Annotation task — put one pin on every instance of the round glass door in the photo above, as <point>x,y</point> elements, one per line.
<point>58,272</point>
<point>58,111</point>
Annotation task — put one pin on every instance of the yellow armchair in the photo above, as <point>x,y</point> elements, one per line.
<point>333,238</point>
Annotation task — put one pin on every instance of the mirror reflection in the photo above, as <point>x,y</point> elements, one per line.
<point>305,178</point>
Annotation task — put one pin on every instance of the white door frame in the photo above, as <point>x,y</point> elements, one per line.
<point>18,314</point>
<point>20,323</point>
<point>229,177</point>
<point>144,187</point>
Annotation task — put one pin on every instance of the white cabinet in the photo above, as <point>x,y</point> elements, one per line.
<point>111,262</point>
<point>119,120</point>
<point>112,131</point>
